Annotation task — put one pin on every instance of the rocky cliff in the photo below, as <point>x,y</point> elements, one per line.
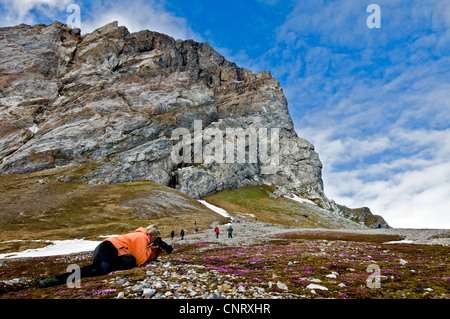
<point>114,99</point>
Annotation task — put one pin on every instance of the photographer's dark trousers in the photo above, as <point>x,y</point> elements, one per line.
<point>105,259</point>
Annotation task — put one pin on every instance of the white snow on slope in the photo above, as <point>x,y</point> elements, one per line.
<point>403,241</point>
<point>218,210</point>
<point>58,247</point>
<point>300,199</point>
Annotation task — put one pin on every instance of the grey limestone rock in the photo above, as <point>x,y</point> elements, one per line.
<point>115,98</point>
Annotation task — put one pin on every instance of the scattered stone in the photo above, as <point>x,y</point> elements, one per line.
<point>121,295</point>
<point>158,285</point>
<point>148,292</point>
<point>282,286</point>
<point>314,286</point>
<point>314,280</point>
<point>141,287</point>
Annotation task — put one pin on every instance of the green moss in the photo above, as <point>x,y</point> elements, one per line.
<point>255,202</point>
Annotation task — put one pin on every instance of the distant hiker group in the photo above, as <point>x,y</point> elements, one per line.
<point>182,232</point>
<point>216,232</point>
<point>229,230</point>
<point>172,234</point>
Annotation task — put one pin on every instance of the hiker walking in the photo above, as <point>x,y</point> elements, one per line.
<point>230,232</point>
<point>182,234</point>
<point>172,234</point>
<point>216,230</point>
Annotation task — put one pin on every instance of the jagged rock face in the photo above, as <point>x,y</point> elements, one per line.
<point>115,98</point>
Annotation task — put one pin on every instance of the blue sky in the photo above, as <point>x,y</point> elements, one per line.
<point>374,102</point>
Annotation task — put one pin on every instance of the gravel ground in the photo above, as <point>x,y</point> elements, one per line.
<point>167,279</point>
<point>248,232</point>
<point>164,282</point>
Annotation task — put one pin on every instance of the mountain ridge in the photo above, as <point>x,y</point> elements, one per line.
<point>114,98</point>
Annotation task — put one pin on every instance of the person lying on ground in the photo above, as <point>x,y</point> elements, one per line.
<point>118,253</point>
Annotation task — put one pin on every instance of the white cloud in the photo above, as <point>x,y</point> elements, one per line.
<point>20,11</point>
<point>138,15</point>
<point>417,198</point>
<point>336,22</point>
<point>379,114</point>
<point>409,191</point>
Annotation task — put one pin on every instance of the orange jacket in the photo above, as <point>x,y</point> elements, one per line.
<point>136,244</point>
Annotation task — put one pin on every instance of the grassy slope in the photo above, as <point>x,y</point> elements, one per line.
<point>60,204</point>
<point>43,206</point>
<point>255,201</point>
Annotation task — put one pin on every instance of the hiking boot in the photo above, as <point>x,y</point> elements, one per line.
<point>48,283</point>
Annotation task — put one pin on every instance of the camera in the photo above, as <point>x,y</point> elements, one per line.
<point>159,242</point>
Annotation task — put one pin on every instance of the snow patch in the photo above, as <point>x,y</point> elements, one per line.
<point>404,241</point>
<point>300,199</point>
<point>216,209</point>
<point>57,247</point>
